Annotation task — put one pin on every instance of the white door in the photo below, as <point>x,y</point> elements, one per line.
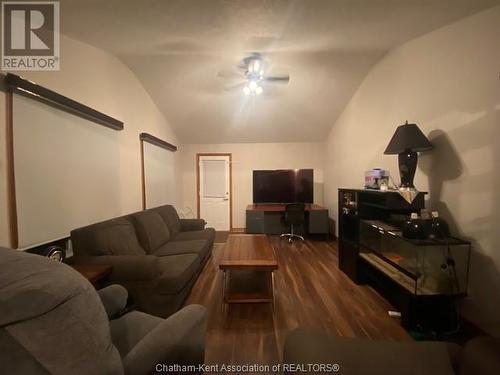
<point>214,191</point>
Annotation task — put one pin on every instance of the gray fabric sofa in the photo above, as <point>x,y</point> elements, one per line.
<point>52,321</point>
<point>362,356</point>
<point>155,255</point>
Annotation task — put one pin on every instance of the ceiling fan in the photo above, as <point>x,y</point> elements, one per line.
<point>252,69</point>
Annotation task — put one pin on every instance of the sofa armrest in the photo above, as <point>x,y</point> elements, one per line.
<point>192,224</point>
<point>127,267</point>
<point>178,340</point>
<point>114,299</point>
<point>481,356</point>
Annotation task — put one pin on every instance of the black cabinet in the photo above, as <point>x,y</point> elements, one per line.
<point>348,259</point>
<point>356,205</point>
<point>255,221</point>
<point>317,221</point>
<point>435,312</point>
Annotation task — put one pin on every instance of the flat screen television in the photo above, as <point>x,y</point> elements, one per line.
<point>283,186</point>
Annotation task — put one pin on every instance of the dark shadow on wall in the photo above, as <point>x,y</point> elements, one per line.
<point>444,166</point>
<point>441,165</point>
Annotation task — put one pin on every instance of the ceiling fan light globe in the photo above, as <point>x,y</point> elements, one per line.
<point>252,85</point>
<point>256,65</point>
<point>258,90</point>
<point>246,90</point>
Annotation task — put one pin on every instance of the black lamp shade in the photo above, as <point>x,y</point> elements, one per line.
<point>406,142</point>
<point>408,137</point>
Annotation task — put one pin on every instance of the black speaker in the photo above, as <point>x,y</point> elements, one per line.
<point>56,253</point>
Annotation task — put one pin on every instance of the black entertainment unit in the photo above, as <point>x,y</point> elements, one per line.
<point>422,279</point>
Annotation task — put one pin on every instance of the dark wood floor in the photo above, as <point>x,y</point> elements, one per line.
<point>310,292</point>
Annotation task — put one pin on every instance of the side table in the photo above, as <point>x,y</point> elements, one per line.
<point>97,274</point>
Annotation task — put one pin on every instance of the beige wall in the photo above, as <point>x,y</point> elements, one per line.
<point>448,83</point>
<point>97,79</point>
<point>247,157</point>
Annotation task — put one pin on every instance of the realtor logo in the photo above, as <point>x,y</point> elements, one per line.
<point>30,35</point>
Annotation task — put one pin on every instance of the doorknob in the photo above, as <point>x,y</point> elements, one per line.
<point>226,199</point>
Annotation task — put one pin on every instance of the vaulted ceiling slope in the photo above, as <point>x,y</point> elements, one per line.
<point>177,48</point>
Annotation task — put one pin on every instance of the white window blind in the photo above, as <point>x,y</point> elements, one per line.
<point>66,170</point>
<point>159,174</point>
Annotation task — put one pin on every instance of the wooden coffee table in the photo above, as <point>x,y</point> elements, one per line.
<point>248,263</point>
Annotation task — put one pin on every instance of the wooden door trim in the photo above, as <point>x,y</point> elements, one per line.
<point>201,154</point>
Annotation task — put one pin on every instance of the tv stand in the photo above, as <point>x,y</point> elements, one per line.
<point>267,219</point>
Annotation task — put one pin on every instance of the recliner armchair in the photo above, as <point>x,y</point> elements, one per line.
<point>53,321</point>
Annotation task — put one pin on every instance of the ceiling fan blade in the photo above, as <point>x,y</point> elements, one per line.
<point>230,73</point>
<point>283,78</point>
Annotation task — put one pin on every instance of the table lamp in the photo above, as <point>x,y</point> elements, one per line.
<point>406,142</point>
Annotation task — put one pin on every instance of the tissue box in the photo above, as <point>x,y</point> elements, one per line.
<point>375,177</point>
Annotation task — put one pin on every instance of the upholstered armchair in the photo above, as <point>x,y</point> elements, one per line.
<point>53,321</point>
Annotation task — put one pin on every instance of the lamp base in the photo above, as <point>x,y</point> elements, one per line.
<point>407,168</point>
<point>408,194</point>
<point>406,188</point>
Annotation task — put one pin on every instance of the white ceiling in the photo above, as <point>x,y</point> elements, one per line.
<point>178,47</point>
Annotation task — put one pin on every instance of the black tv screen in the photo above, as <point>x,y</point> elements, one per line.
<point>283,186</point>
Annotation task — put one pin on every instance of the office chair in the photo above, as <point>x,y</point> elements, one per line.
<point>294,216</point>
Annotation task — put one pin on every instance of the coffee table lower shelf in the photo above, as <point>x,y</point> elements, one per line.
<point>247,264</point>
<point>248,286</point>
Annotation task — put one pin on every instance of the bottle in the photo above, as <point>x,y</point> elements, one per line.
<point>414,228</point>
<point>426,218</point>
<point>439,227</point>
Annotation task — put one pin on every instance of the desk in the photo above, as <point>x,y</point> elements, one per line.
<point>267,219</point>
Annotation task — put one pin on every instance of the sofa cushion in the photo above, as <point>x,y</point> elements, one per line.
<point>115,237</point>
<point>169,215</point>
<point>151,230</point>
<point>304,346</point>
<point>481,356</point>
<point>200,247</point>
<point>177,272</point>
<point>207,234</point>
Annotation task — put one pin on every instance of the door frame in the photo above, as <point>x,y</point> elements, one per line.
<point>202,154</point>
